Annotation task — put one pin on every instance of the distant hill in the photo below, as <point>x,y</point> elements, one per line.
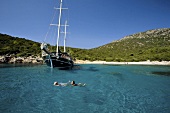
<point>148,45</point>
<point>151,45</point>
<point>18,46</point>
<point>21,47</point>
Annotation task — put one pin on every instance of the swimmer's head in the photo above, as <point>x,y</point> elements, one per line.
<point>72,82</point>
<point>55,83</point>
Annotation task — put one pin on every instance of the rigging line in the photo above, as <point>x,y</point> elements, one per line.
<point>54,35</point>
<point>50,25</point>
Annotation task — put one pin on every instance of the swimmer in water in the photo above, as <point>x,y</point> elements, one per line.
<point>72,83</point>
<point>79,84</point>
<point>56,84</point>
<point>60,84</point>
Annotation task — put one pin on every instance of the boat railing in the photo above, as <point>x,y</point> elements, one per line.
<point>66,56</point>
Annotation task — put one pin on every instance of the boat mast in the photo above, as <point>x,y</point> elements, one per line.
<point>59,24</point>
<point>65,33</point>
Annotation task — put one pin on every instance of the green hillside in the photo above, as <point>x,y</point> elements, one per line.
<point>150,45</point>
<point>22,47</point>
<point>18,46</point>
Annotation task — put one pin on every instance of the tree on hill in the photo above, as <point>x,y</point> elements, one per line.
<point>18,46</point>
<point>149,45</point>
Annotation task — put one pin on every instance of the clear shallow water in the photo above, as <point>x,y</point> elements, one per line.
<point>110,89</point>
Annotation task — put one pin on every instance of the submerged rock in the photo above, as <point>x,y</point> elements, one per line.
<point>161,73</point>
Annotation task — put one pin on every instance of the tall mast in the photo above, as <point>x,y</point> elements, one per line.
<point>65,33</point>
<point>59,24</point>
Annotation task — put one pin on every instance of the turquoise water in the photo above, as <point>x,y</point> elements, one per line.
<point>109,89</point>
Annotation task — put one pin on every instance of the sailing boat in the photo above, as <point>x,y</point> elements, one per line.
<point>57,59</point>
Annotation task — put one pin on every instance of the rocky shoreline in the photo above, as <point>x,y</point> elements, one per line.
<point>30,59</point>
<point>39,60</point>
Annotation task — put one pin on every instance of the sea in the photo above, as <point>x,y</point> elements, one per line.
<point>108,89</point>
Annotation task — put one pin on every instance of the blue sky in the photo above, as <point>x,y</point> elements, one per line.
<point>92,23</point>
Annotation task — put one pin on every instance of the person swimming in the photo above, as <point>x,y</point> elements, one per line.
<point>56,84</point>
<point>73,83</point>
<point>79,84</point>
<point>61,84</point>
<point>69,83</point>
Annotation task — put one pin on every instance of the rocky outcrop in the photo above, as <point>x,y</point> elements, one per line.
<point>165,33</point>
<point>10,59</point>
